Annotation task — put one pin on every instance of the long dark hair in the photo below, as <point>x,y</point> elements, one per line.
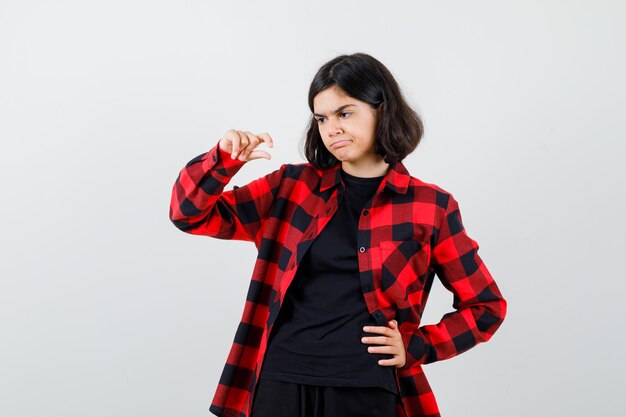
<point>399,128</point>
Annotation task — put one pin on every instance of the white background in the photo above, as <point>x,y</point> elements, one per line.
<point>106,309</point>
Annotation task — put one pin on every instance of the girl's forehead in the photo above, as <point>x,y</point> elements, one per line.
<point>326,101</point>
<point>331,93</point>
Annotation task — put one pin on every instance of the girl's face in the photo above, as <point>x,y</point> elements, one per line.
<point>347,126</point>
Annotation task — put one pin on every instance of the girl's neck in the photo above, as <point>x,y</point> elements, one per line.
<point>367,169</point>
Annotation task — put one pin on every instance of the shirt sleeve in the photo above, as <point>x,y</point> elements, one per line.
<point>479,306</point>
<point>200,206</point>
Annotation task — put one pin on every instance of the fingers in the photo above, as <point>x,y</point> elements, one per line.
<point>380,329</point>
<point>240,144</point>
<point>243,143</point>
<point>236,144</point>
<point>392,350</point>
<point>259,154</point>
<point>255,140</point>
<point>251,141</point>
<point>377,340</point>
<point>389,343</point>
<point>398,359</point>
<point>267,138</point>
<point>391,362</point>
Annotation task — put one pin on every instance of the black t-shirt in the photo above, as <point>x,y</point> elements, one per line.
<point>316,338</point>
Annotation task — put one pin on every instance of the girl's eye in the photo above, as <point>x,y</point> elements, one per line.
<point>342,114</point>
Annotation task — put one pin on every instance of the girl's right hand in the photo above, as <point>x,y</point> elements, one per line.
<point>241,144</point>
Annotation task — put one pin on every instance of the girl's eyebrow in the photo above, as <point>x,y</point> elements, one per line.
<point>336,111</point>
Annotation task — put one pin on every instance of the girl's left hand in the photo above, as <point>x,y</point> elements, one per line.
<point>390,342</point>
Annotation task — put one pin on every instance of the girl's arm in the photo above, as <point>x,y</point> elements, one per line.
<point>200,206</point>
<point>480,307</point>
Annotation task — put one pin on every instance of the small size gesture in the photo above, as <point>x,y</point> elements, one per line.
<point>242,144</point>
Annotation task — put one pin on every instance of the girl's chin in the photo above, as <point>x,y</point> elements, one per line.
<point>341,154</point>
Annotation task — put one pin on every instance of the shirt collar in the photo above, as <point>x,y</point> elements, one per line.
<point>396,179</point>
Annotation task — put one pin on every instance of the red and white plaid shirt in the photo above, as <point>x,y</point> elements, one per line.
<point>409,232</point>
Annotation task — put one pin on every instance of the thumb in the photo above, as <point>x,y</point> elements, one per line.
<point>256,154</point>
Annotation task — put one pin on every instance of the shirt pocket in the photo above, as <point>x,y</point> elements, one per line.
<point>404,268</point>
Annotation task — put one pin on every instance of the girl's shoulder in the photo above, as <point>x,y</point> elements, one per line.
<point>297,169</point>
<point>287,175</point>
<point>440,195</point>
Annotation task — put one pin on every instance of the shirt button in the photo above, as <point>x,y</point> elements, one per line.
<point>367,287</point>
<point>214,158</point>
<point>378,314</point>
<point>361,249</point>
<point>365,213</point>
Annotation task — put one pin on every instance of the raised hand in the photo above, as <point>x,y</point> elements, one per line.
<point>242,144</point>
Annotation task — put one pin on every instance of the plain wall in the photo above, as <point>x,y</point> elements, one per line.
<point>106,309</point>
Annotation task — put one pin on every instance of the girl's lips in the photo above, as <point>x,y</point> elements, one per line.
<point>340,143</point>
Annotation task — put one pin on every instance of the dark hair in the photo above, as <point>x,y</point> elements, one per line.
<point>399,128</point>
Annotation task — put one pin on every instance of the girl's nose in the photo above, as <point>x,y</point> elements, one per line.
<point>334,128</point>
